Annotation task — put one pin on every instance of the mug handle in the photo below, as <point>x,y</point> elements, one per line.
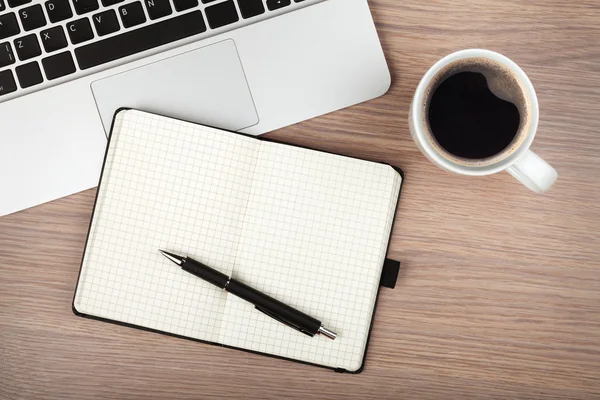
<point>532,171</point>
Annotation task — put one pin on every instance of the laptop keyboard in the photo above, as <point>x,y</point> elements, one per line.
<point>43,41</point>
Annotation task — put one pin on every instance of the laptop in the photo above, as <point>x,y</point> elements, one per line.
<point>251,66</point>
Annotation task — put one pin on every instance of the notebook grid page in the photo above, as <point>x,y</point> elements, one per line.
<point>170,185</point>
<point>315,237</point>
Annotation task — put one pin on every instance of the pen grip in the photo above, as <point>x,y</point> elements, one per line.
<point>205,272</point>
<point>275,308</point>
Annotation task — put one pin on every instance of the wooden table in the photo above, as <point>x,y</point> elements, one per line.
<point>499,293</point>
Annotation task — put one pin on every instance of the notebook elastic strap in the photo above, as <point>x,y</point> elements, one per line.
<point>389,275</point>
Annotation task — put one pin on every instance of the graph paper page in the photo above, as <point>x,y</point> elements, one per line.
<point>172,185</point>
<point>315,237</point>
<point>308,228</point>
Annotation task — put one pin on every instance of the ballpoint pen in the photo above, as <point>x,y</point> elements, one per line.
<point>266,304</point>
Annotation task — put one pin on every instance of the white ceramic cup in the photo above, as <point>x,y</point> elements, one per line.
<point>517,160</point>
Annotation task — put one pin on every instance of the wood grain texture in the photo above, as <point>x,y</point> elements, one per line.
<point>499,294</point>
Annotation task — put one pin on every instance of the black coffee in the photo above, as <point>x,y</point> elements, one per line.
<point>468,120</point>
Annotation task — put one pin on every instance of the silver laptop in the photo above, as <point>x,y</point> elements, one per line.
<point>251,66</point>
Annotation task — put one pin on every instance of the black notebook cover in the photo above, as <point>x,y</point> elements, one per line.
<point>384,274</point>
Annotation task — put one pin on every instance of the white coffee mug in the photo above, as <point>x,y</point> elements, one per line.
<point>517,159</point>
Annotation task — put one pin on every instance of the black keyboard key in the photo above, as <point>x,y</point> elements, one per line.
<point>53,39</point>
<point>221,14</point>
<point>277,4</point>
<point>2,5</point>
<point>29,74</point>
<point>158,8</point>
<point>85,6</point>
<point>132,14</point>
<point>80,31</point>
<point>181,5</point>
<point>58,65</point>
<point>8,25</point>
<point>58,10</point>
<point>107,3</point>
<point>32,17</point>
<point>106,22</point>
<point>7,82</point>
<point>6,54</point>
<point>251,8</point>
<point>138,40</point>
<point>27,47</point>
<point>17,3</point>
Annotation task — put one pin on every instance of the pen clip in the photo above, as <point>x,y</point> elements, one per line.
<point>277,318</point>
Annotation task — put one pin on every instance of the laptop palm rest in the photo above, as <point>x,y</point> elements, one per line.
<point>207,86</point>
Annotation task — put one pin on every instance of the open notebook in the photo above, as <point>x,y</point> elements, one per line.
<point>308,228</point>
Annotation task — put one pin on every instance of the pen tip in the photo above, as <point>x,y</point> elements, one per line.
<point>173,257</point>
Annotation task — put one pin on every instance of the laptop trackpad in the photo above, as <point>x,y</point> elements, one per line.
<point>206,85</point>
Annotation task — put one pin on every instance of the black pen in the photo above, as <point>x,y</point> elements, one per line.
<point>268,305</point>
